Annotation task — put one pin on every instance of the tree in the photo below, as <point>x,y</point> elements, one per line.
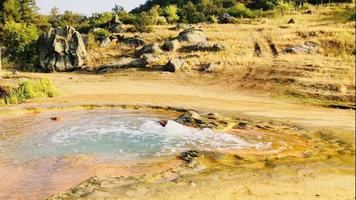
<point>118,9</point>
<point>20,42</point>
<point>171,13</point>
<point>28,10</point>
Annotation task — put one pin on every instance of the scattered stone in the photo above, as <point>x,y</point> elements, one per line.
<point>55,118</point>
<point>203,46</point>
<point>105,43</point>
<point>134,41</point>
<point>150,59</point>
<point>225,18</point>
<point>309,12</point>
<point>181,26</point>
<point>189,156</point>
<point>241,125</point>
<point>61,49</point>
<point>257,52</point>
<point>115,25</point>
<point>273,49</point>
<point>151,49</point>
<point>211,68</point>
<point>171,45</point>
<point>306,48</point>
<point>174,64</point>
<point>123,63</point>
<point>192,35</point>
<point>291,21</point>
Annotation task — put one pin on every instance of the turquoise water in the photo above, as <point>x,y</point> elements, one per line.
<point>40,157</point>
<point>117,135</point>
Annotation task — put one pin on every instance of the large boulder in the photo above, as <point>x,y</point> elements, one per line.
<point>174,65</point>
<point>306,48</point>
<point>115,25</point>
<point>133,41</point>
<point>226,19</point>
<point>171,45</point>
<point>192,35</point>
<point>61,49</point>
<point>121,64</point>
<point>150,48</point>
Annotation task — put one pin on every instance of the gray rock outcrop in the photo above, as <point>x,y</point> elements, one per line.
<point>150,48</point>
<point>61,49</point>
<point>174,65</point>
<point>306,48</point>
<point>171,45</point>
<point>192,35</point>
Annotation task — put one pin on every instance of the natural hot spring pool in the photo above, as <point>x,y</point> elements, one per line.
<point>40,157</point>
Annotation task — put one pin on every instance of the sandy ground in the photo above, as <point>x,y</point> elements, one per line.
<point>214,94</point>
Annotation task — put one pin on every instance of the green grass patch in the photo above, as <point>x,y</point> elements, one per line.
<point>28,89</point>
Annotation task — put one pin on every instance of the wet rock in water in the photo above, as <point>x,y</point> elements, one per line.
<point>225,18</point>
<point>163,123</point>
<point>171,45</point>
<point>189,156</point>
<point>174,64</point>
<point>61,49</point>
<point>291,21</point>
<point>203,46</point>
<point>192,35</point>
<point>105,43</point>
<point>195,120</point>
<point>306,48</point>
<point>134,41</point>
<point>149,49</point>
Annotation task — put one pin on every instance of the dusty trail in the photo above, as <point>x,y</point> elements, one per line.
<point>206,93</point>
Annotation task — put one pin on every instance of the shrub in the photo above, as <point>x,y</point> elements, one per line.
<point>21,43</point>
<point>161,20</point>
<point>240,10</point>
<point>171,13</point>
<point>213,19</point>
<point>196,17</point>
<point>101,33</point>
<point>143,23</point>
<point>284,7</point>
<point>352,16</point>
<point>29,89</point>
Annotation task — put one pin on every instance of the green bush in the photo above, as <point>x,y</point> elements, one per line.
<point>213,19</point>
<point>29,89</point>
<point>143,23</point>
<point>240,10</point>
<point>284,7</point>
<point>171,13</point>
<point>352,16</point>
<point>101,33</point>
<point>20,40</point>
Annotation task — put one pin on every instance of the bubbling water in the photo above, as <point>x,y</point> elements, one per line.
<point>128,137</point>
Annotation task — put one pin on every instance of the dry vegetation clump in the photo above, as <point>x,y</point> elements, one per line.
<point>326,77</point>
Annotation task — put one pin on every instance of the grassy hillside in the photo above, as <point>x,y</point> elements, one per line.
<point>325,78</point>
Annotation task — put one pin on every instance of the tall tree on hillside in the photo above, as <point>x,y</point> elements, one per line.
<point>28,10</point>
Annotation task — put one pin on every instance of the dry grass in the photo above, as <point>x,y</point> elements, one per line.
<point>327,76</point>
